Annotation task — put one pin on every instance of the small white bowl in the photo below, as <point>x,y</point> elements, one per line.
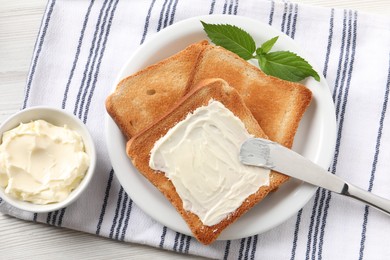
<point>56,117</point>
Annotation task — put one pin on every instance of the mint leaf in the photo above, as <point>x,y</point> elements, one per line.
<point>282,64</point>
<point>231,38</point>
<point>267,46</point>
<point>286,65</point>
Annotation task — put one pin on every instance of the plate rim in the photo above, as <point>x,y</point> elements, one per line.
<point>305,188</point>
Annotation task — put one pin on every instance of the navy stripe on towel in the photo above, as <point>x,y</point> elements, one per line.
<point>296,232</point>
<point>166,18</point>
<point>181,246</point>
<point>282,26</point>
<point>212,6</point>
<point>254,246</point>
<point>242,245</point>
<point>48,219</point>
<point>227,250</point>
<point>38,52</point>
<point>271,13</point>
<point>160,21</point>
<point>173,12</point>
<point>248,245</point>
<point>61,217</point>
<point>176,241</point>
<point>147,20</point>
<point>55,215</point>
<point>76,58</point>
<point>224,7</point>
<point>188,243</point>
<point>339,66</point>
<point>231,7</point>
<point>105,200</point>
<point>236,8</point>
<point>294,23</point>
<point>329,46</point>
<point>289,18</point>
<point>162,239</point>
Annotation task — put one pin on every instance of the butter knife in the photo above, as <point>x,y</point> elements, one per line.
<point>271,155</point>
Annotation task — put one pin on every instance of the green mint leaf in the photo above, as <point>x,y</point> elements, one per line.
<point>282,64</point>
<point>286,65</point>
<point>267,46</point>
<point>231,38</point>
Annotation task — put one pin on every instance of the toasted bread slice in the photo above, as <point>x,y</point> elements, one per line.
<point>277,105</point>
<point>140,146</point>
<point>141,98</point>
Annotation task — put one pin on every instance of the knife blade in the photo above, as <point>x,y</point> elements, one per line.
<point>267,154</point>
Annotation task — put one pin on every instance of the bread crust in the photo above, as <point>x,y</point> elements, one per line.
<point>139,147</point>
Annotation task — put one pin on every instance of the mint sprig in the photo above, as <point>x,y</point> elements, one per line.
<point>282,64</point>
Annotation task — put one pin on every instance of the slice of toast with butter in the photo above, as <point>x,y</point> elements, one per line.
<point>211,122</point>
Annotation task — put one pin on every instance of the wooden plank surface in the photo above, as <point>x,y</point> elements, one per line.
<point>19,25</point>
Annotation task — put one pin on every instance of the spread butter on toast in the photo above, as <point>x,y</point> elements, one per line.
<point>139,148</point>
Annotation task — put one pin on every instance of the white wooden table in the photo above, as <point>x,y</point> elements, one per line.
<point>19,24</point>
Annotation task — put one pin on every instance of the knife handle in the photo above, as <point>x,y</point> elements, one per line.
<point>366,197</point>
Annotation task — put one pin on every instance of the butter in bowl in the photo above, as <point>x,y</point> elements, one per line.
<point>47,159</point>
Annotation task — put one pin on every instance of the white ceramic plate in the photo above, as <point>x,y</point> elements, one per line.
<point>315,137</point>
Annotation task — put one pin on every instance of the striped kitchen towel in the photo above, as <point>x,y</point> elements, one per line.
<point>81,47</point>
